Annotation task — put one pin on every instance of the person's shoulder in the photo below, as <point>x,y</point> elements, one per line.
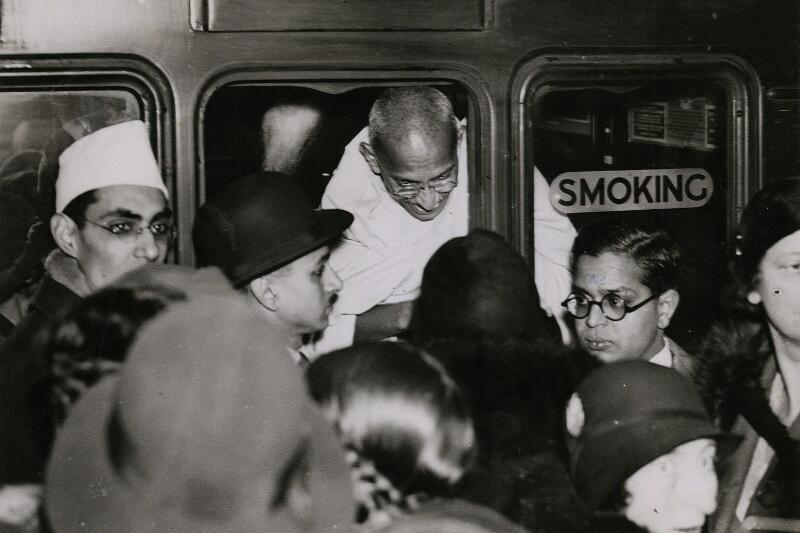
<point>53,298</point>
<point>352,176</point>
<point>682,361</point>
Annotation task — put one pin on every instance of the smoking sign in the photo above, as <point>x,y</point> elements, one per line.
<point>631,190</point>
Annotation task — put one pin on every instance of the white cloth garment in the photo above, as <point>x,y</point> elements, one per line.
<point>553,235</point>
<point>664,356</point>
<point>382,255</point>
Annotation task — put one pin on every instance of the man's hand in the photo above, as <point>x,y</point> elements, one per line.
<point>383,321</point>
<point>19,505</point>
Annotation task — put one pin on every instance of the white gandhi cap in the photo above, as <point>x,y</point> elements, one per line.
<point>115,155</point>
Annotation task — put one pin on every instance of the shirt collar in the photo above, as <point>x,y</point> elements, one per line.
<point>664,356</point>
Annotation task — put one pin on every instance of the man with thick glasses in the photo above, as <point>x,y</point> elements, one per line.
<point>111,217</point>
<point>625,292</point>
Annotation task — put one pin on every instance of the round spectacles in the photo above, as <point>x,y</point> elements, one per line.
<point>162,231</point>
<point>410,189</point>
<point>612,306</point>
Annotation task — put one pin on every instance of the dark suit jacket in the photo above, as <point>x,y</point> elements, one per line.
<point>25,421</point>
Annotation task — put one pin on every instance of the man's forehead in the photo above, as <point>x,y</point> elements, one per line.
<point>145,202</point>
<point>607,272</point>
<point>416,148</point>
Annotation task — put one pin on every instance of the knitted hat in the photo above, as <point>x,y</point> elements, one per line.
<point>204,429</point>
<point>116,155</point>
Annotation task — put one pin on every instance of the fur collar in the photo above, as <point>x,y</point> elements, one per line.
<point>730,367</point>
<point>66,271</point>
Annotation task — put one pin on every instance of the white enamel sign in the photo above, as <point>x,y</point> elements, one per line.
<point>631,190</point>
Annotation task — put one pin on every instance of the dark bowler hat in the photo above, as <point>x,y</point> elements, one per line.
<point>625,415</point>
<point>260,223</point>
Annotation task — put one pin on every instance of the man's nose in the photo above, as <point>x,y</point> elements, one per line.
<point>428,199</point>
<point>146,246</point>
<point>596,317</point>
<point>333,283</point>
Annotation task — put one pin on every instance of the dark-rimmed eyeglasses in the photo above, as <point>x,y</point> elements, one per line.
<point>612,305</point>
<point>162,231</point>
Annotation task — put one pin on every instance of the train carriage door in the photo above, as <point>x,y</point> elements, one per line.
<point>670,141</point>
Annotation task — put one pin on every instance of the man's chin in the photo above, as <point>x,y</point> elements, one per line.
<point>421,214</point>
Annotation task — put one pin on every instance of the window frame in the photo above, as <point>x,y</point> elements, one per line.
<point>479,128</point>
<point>112,72</point>
<point>560,69</point>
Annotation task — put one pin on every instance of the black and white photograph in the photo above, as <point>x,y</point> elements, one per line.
<point>399,266</point>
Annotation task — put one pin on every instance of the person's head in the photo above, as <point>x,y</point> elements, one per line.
<point>643,445</point>
<point>31,134</point>
<point>287,130</point>
<point>111,204</point>
<point>92,340</point>
<point>625,282</point>
<point>203,429</point>
<point>413,145</point>
<point>263,233</point>
<point>676,491</point>
<point>400,415</point>
<point>478,287</point>
<point>768,259</point>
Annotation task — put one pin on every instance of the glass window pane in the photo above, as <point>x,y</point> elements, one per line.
<point>294,130</point>
<point>610,138</point>
<point>32,127</point>
<point>27,119</point>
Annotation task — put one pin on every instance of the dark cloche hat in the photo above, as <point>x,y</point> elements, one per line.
<point>260,223</point>
<point>627,414</point>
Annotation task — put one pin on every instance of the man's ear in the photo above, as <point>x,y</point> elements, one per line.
<point>262,290</point>
<point>66,234</point>
<point>369,156</point>
<point>462,131</point>
<point>667,304</point>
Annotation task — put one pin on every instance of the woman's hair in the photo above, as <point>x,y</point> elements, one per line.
<point>93,340</point>
<point>478,287</point>
<point>398,410</point>
<point>734,352</point>
<point>653,250</point>
<point>772,214</point>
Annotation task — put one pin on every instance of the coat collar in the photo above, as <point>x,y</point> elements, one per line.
<point>66,271</point>
<point>62,286</point>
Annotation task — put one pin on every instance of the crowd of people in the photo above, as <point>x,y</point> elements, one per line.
<point>372,364</point>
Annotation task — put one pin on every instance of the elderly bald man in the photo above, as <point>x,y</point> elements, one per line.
<point>404,177</point>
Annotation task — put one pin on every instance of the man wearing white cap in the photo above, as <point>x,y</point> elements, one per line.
<point>111,210</point>
<point>111,217</point>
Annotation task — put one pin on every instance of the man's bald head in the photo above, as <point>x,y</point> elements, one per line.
<point>409,115</point>
<point>413,148</point>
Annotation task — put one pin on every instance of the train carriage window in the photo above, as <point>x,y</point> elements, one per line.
<point>661,149</point>
<point>46,103</point>
<point>30,122</point>
<point>302,131</point>
<point>35,126</point>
